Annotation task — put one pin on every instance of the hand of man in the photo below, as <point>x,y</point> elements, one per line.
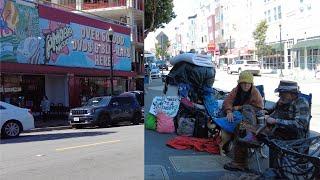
<point>271,120</point>
<point>230,117</point>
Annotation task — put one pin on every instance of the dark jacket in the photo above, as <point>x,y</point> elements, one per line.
<point>292,119</point>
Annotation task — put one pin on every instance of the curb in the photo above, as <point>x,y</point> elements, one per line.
<point>47,129</point>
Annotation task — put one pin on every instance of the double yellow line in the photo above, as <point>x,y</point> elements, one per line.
<point>86,145</point>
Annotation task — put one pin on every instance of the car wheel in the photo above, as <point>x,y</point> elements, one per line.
<point>11,129</point>
<point>103,120</point>
<point>136,118</point>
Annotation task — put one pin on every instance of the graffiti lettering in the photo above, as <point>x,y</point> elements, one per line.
<point>56,41</point>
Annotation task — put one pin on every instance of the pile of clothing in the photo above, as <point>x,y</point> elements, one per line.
<point>191,80</point>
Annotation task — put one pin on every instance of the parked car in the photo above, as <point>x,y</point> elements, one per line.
<point>244,65</point>
<point>106,110</point>
<point>14,120</point>
<point>139,95</point>
<point>154,70</point>
<point>162,65</point>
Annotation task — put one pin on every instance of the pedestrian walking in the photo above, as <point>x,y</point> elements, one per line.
<point>45,108</point>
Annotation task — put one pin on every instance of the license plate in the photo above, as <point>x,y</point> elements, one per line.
<point>76,118</point>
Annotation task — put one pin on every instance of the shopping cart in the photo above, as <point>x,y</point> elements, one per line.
<point>296,159</point>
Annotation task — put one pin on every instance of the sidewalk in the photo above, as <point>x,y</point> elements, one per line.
<point>163,162</point>
<point>50,125</point>
<point>298,76</point>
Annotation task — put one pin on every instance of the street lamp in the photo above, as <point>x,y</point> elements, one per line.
<point>111,54</point>
<point>281,74</point>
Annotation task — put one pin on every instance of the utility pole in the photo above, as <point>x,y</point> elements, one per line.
<point>281,74</point>
<point>230,44</point>
<point>162,54</point>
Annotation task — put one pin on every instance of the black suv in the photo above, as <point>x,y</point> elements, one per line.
<point>106,110</point>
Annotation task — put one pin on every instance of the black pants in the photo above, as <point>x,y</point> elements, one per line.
<point>45,116</point>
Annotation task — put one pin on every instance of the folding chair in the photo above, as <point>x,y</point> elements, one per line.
<point>309,99</point>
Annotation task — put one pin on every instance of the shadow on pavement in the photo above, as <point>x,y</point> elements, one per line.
<point>45,137</point>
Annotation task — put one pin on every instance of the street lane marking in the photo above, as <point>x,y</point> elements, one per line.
<point>86,145</point>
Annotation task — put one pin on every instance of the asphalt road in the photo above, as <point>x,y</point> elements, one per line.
<point>82,154</point>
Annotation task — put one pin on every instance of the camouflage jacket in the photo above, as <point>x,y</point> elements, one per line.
<point>292,118</point>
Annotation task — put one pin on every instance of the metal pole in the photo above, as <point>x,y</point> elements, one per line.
<point>111,64</point>
<point>281,74</point>
<point>162,55</point>
<point>230,45</point>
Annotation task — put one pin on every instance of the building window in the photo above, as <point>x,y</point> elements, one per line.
<point>265,15</point>
<point>279,12</point>
<point>275,13</point>
<point>269,16</point>
<point>301,60</point>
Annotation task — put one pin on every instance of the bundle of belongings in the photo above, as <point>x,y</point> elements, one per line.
<point>190,82</point>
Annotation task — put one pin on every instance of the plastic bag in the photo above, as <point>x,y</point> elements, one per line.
<point>165,123</point>
<point>151,122</point>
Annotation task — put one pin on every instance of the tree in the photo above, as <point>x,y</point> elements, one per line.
<point>162,52</point>
<point>157,13</point>
<point>259,36</point>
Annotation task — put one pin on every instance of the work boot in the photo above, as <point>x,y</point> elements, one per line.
<point>240,162</point>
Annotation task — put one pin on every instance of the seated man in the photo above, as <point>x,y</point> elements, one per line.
<point>290,117</point>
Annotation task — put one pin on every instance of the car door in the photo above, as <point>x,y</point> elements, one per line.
<point>115,108</point>
<point>127,107</point>
<point>3,115</point>
<point>233,66</point>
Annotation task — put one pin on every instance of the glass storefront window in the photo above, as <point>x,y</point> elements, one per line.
<point>22,90</point>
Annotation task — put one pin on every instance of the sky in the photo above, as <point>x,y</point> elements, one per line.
<point>183,9</point>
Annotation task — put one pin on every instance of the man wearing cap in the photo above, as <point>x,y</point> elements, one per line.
<point>291,114</point>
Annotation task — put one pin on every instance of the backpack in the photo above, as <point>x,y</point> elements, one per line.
<point>200,120</point>
<point>201,126</point>
<point>185,126</point>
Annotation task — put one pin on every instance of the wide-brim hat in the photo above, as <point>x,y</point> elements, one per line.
<point>287,86</point>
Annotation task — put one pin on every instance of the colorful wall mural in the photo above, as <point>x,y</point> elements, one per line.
<point>19,32</point>
<point>52,39</point>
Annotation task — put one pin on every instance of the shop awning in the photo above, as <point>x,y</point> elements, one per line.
<point>18,68</point>
<point>277,46</point>
<point>309,44</point>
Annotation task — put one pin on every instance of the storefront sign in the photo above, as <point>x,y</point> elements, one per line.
<point>45,35</point>
<point>167,104</point>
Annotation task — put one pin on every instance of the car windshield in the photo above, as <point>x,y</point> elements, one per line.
<point>153,66</point>
<point>252,62</point>
<point>98,101</point>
